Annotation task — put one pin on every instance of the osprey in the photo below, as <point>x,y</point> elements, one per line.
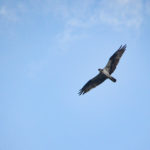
<point>104,73</point>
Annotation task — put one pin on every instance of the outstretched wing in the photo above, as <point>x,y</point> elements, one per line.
<point>114,59</point>
<point>93,83</point>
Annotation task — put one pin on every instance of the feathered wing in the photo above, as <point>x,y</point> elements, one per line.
<point>114,59</point>
<point>93,83</point>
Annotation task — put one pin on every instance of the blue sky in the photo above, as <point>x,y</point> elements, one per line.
<point>49,50</point>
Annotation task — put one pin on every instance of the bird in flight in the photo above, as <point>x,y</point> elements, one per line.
<point>104,73</point>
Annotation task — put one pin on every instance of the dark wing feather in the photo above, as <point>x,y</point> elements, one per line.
<point>114,59</point>
<point>93,83</point>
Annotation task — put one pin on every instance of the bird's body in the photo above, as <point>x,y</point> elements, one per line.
<point>104,73</point>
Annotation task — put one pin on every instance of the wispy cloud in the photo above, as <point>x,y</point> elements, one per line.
<point>76,15</point>
<point>147,7</point>
<point>7,13</point>
<point>126,13</point>
<point>116,14</point>
<point>13,12</point>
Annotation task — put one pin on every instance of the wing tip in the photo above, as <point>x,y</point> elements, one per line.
<point>81,92</point>
<point>123,47</point>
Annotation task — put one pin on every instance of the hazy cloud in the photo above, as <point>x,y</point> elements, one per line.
<point>7,13</point>
<point>147,7</point>
<point>126,13</point>
<point>114,13</point>
<point>77,15</point>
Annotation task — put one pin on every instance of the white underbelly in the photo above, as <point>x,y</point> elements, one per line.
<point>106,73</point>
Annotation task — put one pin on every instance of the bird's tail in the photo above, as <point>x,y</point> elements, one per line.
<point>112,79</point>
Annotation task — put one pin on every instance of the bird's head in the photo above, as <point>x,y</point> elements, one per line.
<point>100,69</point>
